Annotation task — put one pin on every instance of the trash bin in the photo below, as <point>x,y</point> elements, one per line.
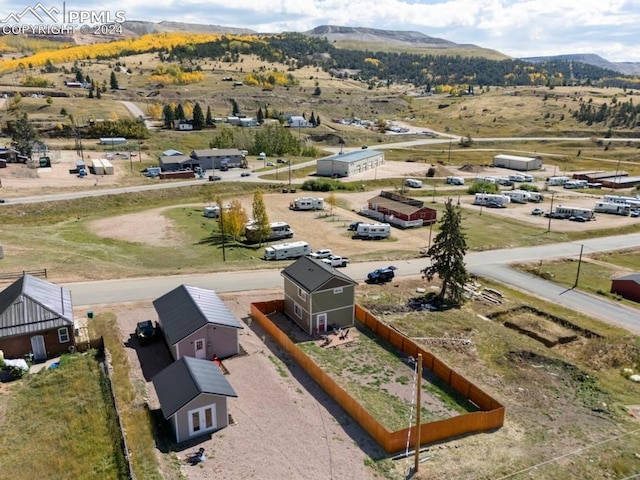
<point>90,314</point>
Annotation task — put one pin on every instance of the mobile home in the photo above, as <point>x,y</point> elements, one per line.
<point>613,208</point>
<point>555,181</point>
<point>455,180</point>
<point>307,203</point>
<point>277,231</point>
<point>563,211</point>
<point>518,196</point>
<point>287,251</point>
<point>486,198</point>
<point>373,230</point>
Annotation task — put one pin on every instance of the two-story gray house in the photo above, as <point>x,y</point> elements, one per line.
<point>317,296</point>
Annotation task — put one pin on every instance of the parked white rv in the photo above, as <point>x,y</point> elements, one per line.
<point>575,184</point>
<point>277,231</point>
<point>563,211</point>
<point>287,251</point>
<point>518,196</point>
<point>212,212</point>
<point>413,183</point>
<point>536,197</point>
<point>455,180</point>
<point>487,198</point>
<point>554,181</point>
<point>614,208</point>
<point>634,202</point>
<point>373,230</point>
<point>307,203</point>
<point>517,177</point>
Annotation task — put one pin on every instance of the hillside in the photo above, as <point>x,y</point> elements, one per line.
<point>627,68</point>
<point>143,28</point>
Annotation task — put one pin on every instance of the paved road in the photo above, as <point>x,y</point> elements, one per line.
<point>492,264</point>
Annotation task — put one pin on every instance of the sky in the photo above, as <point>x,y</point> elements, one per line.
<point>518,28</point>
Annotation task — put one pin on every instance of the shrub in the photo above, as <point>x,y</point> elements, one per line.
<point>324,185</point>
<point>431,172</point>
<point>482,187</point>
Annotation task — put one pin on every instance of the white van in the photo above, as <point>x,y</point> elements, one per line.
<point>413,183</point>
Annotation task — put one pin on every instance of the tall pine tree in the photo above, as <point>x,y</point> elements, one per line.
<point>447,257</point>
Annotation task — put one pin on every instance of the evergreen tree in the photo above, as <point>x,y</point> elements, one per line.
<point>266,112</point>
<point>198,116</point>
<point>312,120</point>
<point>260,117</point>
<point>98,93</point>
<point>114,81</point>
<point>209,119</point>
<point>260,216</point>
<point>447,257</point>
<point>168,115</point>
<point>179,113</point>
<point>23,135</point>
<point>91,92</point>
<point>318,121</point>
<point>235,110</point>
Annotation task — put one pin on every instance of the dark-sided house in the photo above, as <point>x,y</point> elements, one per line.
<point>11,155</point>
<point>193,397</point>
<point>36,317</point>
<point>216,157</point>
<point>196,323</point>
<point>627,286</point>
<point>399,210</point>
<point>317,296</point>
<point>174,163</point>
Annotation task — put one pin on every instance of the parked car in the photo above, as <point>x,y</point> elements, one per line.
<point>381,275</point>
<point>245,174</point>
<point>323,253</point>
<point>271,164</point>
<point>537,211</point>
<point>577,218</point>
<point>2,200</point>
<point>146,332</point>
<point>364,147</point>
<point>354,226</point>
<point>495,205</point>
<point>282,160</point>
<point>635,213</point>
<point>215,178</point>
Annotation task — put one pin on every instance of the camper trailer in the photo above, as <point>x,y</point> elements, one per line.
<point>307,203</point>
<point>555,181</point>
<point>373,230</point>
<point>455,180</point>
<point>613,208</point>
<point>413,183</point>
<point>287,251</point>
<point>212,212</point>
<point>518,196</point>
<point>575,184</point>
<point>277,231</point>
<point>485,199</point>
<point>563,211</point>
<point>536,197</point>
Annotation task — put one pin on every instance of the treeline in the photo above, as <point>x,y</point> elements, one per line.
<point>297,50</point>
<point>614,114</point>
<point>271,139</point>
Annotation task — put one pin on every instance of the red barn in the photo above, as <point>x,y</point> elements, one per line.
<point>399,210</point>
<point>627,286</point>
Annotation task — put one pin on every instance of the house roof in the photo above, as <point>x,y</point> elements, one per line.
<point>31,304</point>
<point>351,157</point>
<point>312,274</point>
<point>396,203</point>
<point>176,159</point>
<point>171,152</point>
<point>185,379</point>
<point>186,309</point>
<point>634,277</point>
<point>213,152</point>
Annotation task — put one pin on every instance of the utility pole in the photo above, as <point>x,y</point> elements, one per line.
<point>579,263</point>
<point>418,420</point>
<point>550,212</point>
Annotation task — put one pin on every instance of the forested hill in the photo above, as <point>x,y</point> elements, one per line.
<point>297,50</point>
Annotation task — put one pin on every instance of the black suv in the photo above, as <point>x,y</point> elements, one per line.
<point>381,275</point>
<point>146,332</point>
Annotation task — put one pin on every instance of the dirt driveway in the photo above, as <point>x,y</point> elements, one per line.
<point>285,427</point>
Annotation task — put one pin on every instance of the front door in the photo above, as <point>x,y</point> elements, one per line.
<point>201,351</point>
<point>321,322</point>
<point>202,420</point>
<point>38,348</point>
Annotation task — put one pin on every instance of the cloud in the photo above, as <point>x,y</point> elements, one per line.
<point>515,27</point>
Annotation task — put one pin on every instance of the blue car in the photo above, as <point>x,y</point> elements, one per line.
<point>381,275</point>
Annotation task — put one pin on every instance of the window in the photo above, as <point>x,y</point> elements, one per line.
<point>297,310</point>
<point>337,290</point>
<point>202,419</point>
<point>302,294</point>
<point>63,335</point>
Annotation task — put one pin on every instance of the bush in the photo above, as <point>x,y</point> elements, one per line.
<point>482,187</point>
<point>324,185</point>
<point>529,188</point>
<point>431,172</point>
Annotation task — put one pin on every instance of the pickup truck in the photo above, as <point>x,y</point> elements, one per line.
<point>336,261</point>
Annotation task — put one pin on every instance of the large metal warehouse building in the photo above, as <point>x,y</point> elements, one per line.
<point>514,162</point>
<point>347,164</point>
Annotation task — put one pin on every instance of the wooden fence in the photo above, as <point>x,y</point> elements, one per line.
<point>490,416</point>
<point>16,275</point>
